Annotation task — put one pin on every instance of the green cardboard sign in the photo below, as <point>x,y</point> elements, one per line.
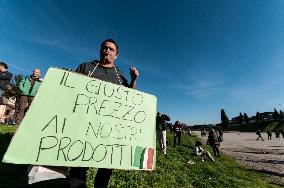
<point>79,121</point>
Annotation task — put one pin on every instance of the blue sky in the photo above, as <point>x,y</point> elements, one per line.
<point>195,56</point>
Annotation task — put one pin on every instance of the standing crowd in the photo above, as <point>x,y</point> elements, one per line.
<point>214,137</point>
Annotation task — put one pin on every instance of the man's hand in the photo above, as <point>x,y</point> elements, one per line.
<point>134,73</point>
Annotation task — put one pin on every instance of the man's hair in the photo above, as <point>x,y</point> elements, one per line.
<point>165,117</point>
<point>4,65</point>
<point>177,122</point>
<point>198,143</point>
<point>36,69</point>
<point>112,41</point>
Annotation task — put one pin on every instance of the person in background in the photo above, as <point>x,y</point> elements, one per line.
<point>201,152</point>
<point>28,87</point>
<point>269,135</point>
<point>203,133</point>
<point>177,129</point>
<point>161,128</point>
<point>220,137</point>
<point>5,78</point>
<point>189,132</point>
<point>282,132</point>
<point>258,133</point>
<point>213,142</point>
<point>277,134</point>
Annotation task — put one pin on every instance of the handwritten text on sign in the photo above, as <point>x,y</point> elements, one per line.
<point>80,121</point>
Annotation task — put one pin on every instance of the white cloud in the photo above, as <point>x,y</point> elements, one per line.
<point>200,84</point>
<point>22,69</point>
<point>69,48</point>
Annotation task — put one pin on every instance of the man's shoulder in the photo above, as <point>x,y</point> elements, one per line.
<point>89,63</point>
<point>86,66</point>
<point>37,80</point>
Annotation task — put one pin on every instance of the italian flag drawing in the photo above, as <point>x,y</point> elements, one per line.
<point>144,158</point>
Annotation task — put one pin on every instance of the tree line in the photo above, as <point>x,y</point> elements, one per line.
<point>244,119</point>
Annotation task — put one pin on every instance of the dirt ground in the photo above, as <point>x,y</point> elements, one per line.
<point>263,156</point>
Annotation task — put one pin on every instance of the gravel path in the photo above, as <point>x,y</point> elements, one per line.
<point>264,156</point>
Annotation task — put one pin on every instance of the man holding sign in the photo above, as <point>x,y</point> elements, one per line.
<point>105,70</point>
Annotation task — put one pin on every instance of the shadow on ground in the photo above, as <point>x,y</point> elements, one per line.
<point>272,161</point>
<point>267,161</point>
<point>16,176</point>
<point>275,146</point>
<point>275,152</point>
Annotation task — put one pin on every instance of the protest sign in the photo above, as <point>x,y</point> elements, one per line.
<point>78,121</point>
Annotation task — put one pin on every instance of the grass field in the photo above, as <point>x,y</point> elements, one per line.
<point>280,126</point>
<point>171,170</point>
<point>271,126</point>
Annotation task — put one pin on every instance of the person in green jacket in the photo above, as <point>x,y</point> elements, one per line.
<point>28,87</point>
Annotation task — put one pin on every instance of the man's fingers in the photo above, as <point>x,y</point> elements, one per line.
<point>134,72</point>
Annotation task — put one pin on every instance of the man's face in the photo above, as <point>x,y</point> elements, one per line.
<point>108,52</point>
<point>36,73</point>
<point>1,68</point>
